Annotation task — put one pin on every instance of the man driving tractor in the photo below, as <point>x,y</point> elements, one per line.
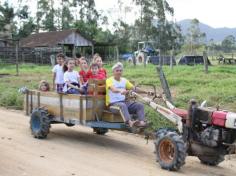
<point>116,89</point>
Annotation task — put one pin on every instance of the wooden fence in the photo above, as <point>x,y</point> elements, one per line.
<point>13,55</point>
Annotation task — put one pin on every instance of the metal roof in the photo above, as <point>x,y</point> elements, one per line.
<point>54,38</point>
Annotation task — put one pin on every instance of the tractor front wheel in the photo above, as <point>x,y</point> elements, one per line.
<point>170,150</point>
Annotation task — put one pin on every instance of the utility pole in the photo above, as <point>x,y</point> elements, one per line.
<point>171,59</point>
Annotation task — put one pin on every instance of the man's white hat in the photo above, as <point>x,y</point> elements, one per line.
<point>117,65</point>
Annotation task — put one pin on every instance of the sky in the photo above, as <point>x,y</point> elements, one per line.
<point>216,13</point>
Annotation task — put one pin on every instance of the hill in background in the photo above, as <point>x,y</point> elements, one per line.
<point>217,34</point>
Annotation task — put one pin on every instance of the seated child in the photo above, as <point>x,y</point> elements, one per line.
<point>96,75</point>
<point>71,78</point>
<point>44,86</point>
<point>84,73</point>
<point>97,59</point>
<point>95,72</point>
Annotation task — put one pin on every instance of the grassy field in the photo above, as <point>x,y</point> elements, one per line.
<point>186,82</point>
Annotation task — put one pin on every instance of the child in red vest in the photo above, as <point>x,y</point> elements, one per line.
<point>84,73</point>
<point>98,60</point>
<point>96,73</point>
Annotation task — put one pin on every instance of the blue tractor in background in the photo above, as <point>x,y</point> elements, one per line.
<point>147,53</point>
<point>145,49</point>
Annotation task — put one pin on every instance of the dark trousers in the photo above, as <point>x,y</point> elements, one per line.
<point>127,108</point>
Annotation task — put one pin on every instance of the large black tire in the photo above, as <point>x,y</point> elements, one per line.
<point>69,124</point>
<point>211,160</point>
<point>100,131</point>
<point>40,123</point>
<point>170,149</point>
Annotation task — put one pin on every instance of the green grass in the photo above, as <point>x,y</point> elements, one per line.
<point>186,82</point>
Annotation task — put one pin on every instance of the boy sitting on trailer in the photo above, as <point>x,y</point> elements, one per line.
<point>95,73</point>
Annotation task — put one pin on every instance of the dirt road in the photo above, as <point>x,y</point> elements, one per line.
<point>76,151</point>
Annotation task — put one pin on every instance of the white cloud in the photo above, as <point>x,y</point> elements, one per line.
<point>216,13</point>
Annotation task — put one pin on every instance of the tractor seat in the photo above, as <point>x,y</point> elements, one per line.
<point>180,112</point>
<point>116,111</point>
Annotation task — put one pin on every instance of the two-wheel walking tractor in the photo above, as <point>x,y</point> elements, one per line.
<point>207,133</point>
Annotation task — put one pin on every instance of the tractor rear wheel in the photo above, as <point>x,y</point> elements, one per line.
<point>100,131</point>
<point>211,160</point>
<point>170,149</point>
<point>40,123</point>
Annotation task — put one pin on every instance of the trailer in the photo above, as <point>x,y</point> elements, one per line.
<point>204,132</point>
<point>46,108</point>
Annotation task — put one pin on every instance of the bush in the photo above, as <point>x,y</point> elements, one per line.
<point>11,99</point>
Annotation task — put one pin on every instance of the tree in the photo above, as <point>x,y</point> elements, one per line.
<point>152,10</point>
<point>6,20</point>
<point>153,25</point>
<point>194,38</point>
<point>89,18</point>
<point>26,29</point>
<point>66,16</point>
<point>228,44</point>
<point>87,10</point>
<point>26,24</point>
<point>123,36</point>
<point>45,15</point>
<point>88,29</point>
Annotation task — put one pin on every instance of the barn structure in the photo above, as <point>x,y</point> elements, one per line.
<point>42,48</point>
<point>69,41</point>
<point>4,43</point>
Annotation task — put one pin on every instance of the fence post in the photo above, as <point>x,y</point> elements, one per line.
<point>205,62</point>
<point>134,60</point>
<point>17,57</point>
<point>160,59</point>
<point>145,59</point>
<point>117,54</point>
<point>171,59</point>
<point>164,84</point>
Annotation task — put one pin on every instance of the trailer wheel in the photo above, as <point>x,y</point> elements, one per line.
<point>40,123</point>
<point>211,160</point>
<point>100,131</point>
<point>69,124</point>
<point>170,150</point>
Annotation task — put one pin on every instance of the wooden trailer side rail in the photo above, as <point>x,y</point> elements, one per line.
<point>70,107</point>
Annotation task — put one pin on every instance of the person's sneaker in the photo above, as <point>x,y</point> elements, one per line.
<point>133,123</point>
<point>142,124</point>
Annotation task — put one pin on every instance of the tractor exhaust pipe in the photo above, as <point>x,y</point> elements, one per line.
<point>190,118</point>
